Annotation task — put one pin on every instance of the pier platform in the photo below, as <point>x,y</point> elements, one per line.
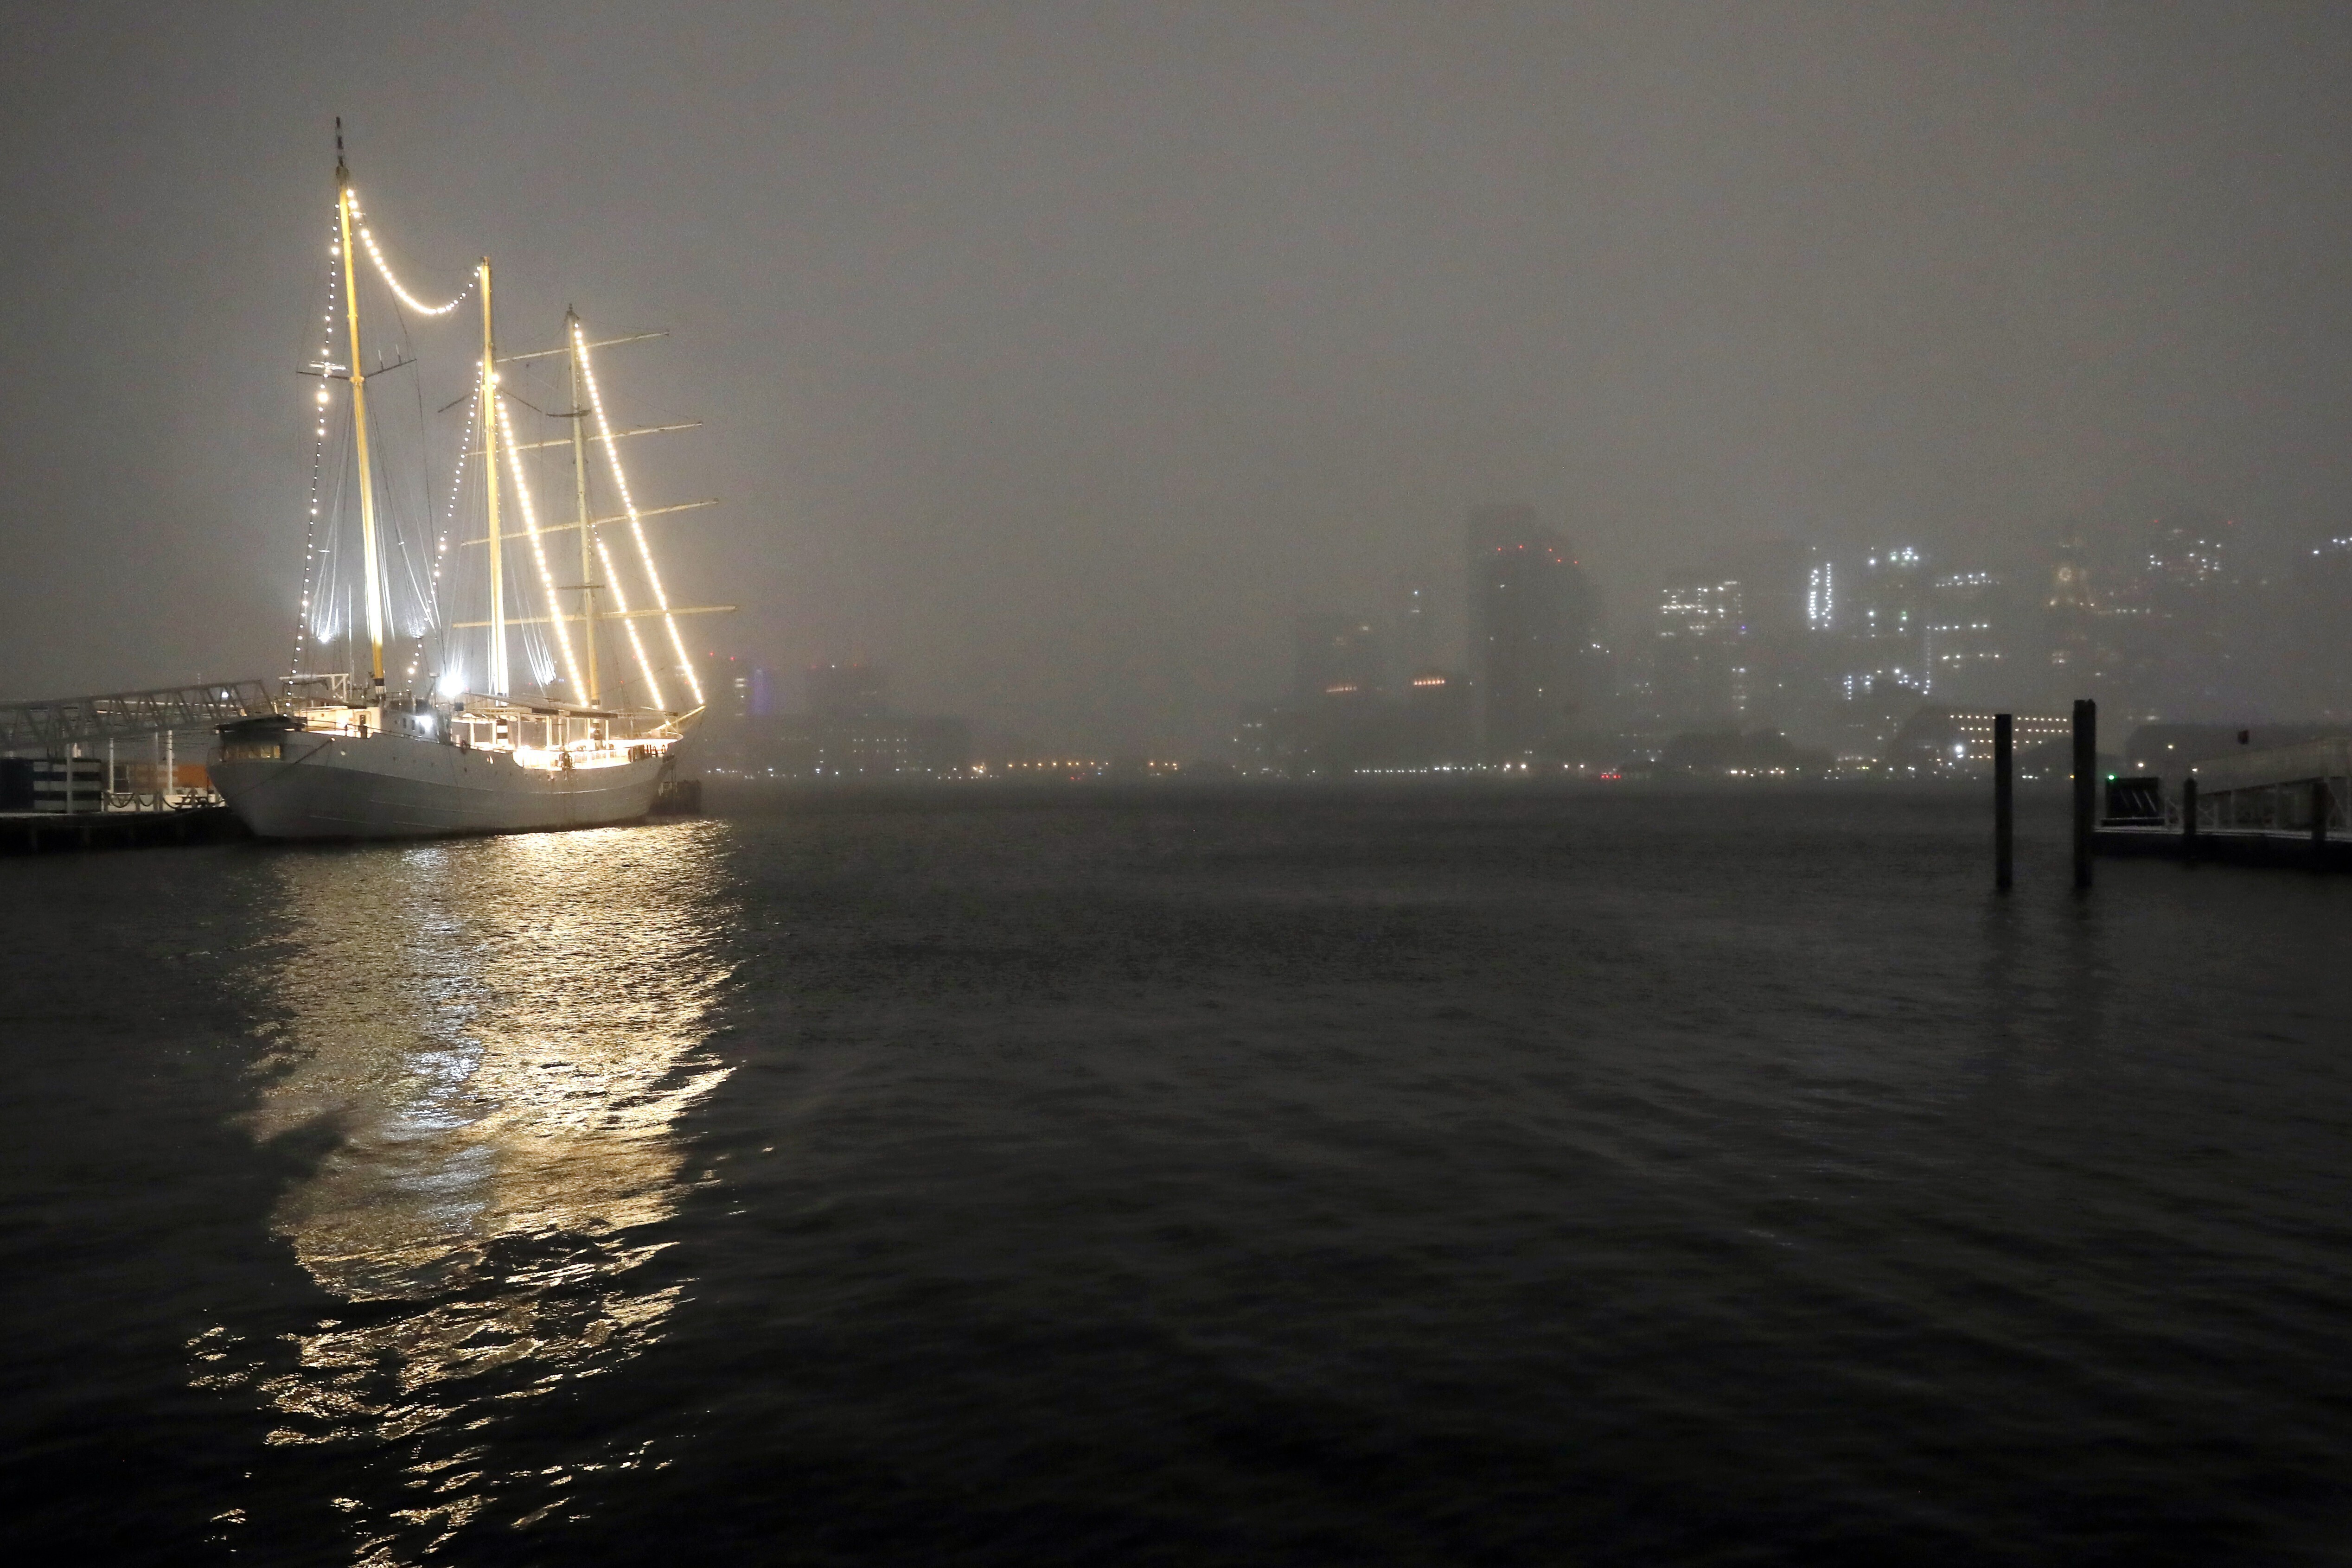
<point>57,832</point>
<point>2226,846</point>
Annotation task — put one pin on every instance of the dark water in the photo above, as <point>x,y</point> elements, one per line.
<point>1612,1179</point>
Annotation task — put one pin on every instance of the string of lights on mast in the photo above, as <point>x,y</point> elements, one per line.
<point>307,633</point>
<point>453,681</point>
<point>636,528</point>
<point>538,552</point>
<point>318,463</point>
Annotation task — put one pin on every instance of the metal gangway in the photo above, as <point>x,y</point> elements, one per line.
<point>49,726</point>
<point>2305,788</point>
<point>65,735</point>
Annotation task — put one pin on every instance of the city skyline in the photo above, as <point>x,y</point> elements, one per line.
<point>1839,649</point>
<point>1850,654</point>
<point>1059,359</point>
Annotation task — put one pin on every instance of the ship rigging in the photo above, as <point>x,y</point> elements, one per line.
<point>410,712</point>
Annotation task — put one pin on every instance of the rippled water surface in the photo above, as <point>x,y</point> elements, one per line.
<point>1597,1180</point>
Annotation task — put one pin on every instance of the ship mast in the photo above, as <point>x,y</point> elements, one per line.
<point>580,493</point>
<point>498,673</point>
<point>358,422</point>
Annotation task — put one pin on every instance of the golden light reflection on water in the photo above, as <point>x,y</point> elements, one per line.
<point>502,1033</point>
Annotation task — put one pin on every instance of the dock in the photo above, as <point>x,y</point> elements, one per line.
<point>2284,806</point>
<point>2225,846</point>
<point>59,832</point>
<point>58,757</point>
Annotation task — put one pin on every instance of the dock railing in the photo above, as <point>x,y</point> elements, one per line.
<point>2302,788</point>
<point>47,725</point>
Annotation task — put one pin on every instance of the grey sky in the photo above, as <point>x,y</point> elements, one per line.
<point>1055,355</point>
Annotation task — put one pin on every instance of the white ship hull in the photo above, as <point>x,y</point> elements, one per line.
<point>397,787</point>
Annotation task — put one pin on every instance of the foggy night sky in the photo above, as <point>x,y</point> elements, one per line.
<point>1054,356</point>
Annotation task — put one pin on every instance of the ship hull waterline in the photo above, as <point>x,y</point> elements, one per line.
<point>394,786</point>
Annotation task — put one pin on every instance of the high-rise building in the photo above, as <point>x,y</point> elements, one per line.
<point>1532,632</point>
<point>1416,641</point>
<point>2189,555</point>
<point>2321,609</point>
<point>1775,581</point>
<point>1878,642</point>
<point>2172,617</point>
<point>1775,576</point>
<point>1964,646</point>
<point>1255,731</point>
<point>1336,657</point>
<point>1439,727</point>
<point>846,690</point>
<point>1699,670</point>
<point>727,685</point>
<point>1886,626</point>
<point>2079,655</point>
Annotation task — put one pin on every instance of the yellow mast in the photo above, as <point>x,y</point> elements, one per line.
<point>580,492</point>
<point>358,423</point>
<point>498,673</point>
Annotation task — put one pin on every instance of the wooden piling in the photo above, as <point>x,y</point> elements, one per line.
<point>2320,805</point>
<point>2004,802</point>
<point>2086,785</point>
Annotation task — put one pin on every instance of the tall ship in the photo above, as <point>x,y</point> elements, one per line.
<point>516,701</point>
